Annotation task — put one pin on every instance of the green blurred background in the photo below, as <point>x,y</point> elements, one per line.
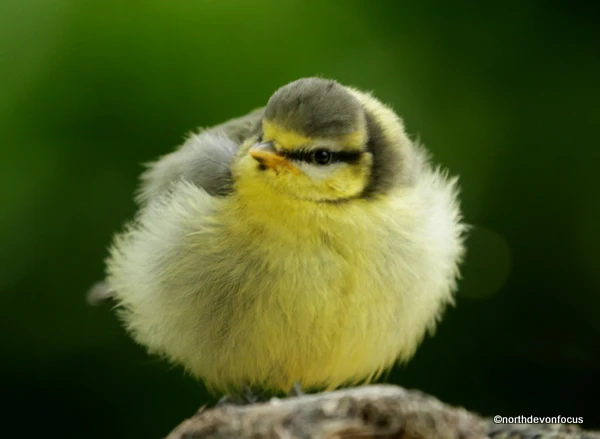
<point>506,95</point>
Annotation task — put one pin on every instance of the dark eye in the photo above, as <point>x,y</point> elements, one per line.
<point>321,156</point>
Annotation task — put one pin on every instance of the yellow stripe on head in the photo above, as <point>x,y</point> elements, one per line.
<point>285,139</point>
<point>290,140</point>
<point>356,140</point>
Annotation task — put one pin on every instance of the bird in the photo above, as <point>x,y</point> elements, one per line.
<point>310,244</point>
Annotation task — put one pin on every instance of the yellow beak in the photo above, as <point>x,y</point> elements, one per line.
<point>266,154</point>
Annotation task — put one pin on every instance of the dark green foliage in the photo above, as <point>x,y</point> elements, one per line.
<point>505,95</point>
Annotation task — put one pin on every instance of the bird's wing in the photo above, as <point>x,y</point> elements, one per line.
<point>239,129</point>
<point>204,159</point>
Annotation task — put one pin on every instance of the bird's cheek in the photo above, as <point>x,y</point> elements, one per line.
<point>340,189</point>
<point>279,165</point>
<point>347,183</point>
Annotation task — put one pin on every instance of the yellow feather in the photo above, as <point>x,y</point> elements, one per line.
<point>289,140</point>
<point>267,288</point>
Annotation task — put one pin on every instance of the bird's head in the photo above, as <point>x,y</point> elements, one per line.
<point>318,142</point>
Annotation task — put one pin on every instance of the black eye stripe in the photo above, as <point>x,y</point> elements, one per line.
<point>336,156</point>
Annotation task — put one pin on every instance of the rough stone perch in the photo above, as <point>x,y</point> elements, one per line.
<point>379,411</point>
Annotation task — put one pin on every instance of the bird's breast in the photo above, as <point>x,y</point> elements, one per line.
<point>313,305</point>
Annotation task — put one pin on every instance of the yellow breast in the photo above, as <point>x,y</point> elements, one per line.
<point>257,289</point>
<point>320,307</point>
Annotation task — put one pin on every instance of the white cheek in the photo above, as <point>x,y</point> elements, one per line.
<point>317,172</point>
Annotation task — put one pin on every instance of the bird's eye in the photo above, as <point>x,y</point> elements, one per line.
<point>321,156</point>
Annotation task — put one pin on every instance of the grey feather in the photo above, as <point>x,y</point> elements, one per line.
<point>315,107</point>
<point>204,159</point>
<point>240,128</point>
<point>389,164</point>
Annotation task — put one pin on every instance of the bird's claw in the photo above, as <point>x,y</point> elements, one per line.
<point>296,390</point>
<point>245,397</point>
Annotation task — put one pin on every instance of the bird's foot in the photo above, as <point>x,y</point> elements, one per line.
<point>296,390</point>
<point>245,397</point>
<point>232,399</point>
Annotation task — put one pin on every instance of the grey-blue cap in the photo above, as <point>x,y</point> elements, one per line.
<point>315,107</point>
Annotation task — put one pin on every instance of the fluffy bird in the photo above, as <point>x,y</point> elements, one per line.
<point>309,242</point>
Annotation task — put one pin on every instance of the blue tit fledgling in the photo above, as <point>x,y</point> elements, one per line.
<point>310,242</point>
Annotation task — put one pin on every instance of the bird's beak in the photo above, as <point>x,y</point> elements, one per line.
<point>266,154</point>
